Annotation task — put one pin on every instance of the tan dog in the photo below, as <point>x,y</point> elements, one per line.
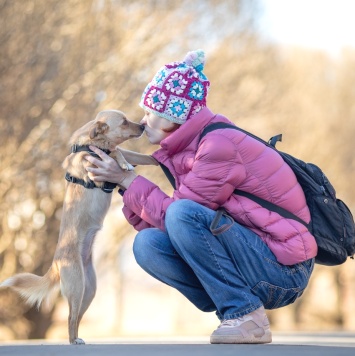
<point>83,213</point>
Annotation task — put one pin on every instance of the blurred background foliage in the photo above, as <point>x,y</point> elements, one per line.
<point>62,62</point>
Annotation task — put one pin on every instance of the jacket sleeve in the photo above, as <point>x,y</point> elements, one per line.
<point>136,221</point>
<point>217,170</point>
<point>146,201</point>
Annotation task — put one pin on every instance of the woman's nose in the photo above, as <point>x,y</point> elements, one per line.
<point>143,121</point>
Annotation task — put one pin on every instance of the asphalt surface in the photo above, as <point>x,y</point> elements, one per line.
<point>341,344</point>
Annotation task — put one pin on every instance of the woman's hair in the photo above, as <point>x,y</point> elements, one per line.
<point>173,128</point>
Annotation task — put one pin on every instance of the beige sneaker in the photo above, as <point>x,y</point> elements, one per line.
<point>253,328</point>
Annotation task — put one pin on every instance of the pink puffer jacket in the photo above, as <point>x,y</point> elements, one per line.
<point>208,173</point>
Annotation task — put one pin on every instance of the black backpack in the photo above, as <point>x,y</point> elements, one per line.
<point>331,224</point>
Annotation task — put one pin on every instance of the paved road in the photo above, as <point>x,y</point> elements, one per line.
<point>283,344</point>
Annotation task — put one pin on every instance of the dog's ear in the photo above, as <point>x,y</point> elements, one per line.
<point>97,129</point>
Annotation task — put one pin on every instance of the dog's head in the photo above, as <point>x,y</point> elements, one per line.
<point>109,129</point>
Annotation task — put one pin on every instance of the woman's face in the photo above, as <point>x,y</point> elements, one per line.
<point>156,128</point>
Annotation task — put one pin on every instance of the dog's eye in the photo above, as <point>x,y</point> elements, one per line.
<point>124,123</point>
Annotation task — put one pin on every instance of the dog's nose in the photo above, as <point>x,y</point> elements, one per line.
<point>143,127</point>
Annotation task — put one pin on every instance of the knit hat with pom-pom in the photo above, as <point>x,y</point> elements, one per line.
<point>179,89</point>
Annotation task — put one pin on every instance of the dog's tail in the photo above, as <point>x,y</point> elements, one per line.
<point>35,289</point>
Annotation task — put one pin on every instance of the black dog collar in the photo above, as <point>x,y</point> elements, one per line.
<point>86,148</point>
<point>107,187</point>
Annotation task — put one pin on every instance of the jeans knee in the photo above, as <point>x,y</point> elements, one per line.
<point>177,211</point>
<point>175,208</point>
<point>141,249</point>
<point>179,222</point>
<point>150,248</point>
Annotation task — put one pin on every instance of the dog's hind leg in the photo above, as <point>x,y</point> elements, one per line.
<point>73,287</point>
<point>90,288</point>
<point>89,273</point>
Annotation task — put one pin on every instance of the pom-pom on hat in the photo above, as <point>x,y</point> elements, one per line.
<point>179,89</point>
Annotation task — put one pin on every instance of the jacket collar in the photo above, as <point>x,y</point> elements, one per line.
<point>185,134</point>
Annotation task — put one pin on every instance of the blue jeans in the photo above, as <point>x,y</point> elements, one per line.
<point>233,273</point>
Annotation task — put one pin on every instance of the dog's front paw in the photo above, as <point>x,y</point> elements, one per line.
<point>117,154</point>
<point>78,341</point>
<point>129,167</point>
<point>126,166</point>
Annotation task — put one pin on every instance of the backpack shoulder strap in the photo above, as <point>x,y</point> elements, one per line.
<point>224,125</point>
<point>272,143</point>
<point>271,206</point>
<point>168,175</point>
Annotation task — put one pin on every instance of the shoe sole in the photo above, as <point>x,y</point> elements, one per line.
<point>234,339</point>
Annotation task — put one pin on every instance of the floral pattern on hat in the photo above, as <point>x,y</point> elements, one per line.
<point>178,107</point>
<point>176,84</point>
<point>156,99</point>
<point>178,90</point>
<point>197,91</point>
<point>160,78</point>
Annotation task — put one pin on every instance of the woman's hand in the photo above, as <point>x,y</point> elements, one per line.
<point>108,170</point>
